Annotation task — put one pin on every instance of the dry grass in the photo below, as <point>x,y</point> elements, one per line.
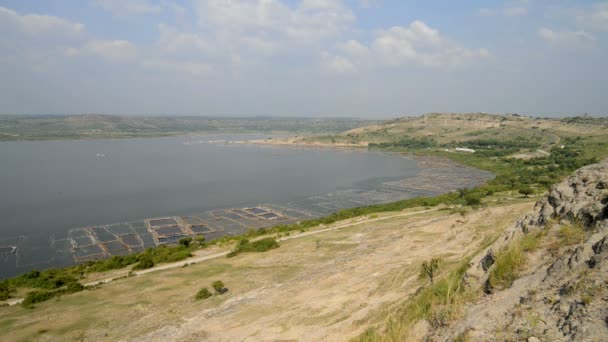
<point>331,292</point>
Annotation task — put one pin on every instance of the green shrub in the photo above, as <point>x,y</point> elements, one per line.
<point>219,287</point>
<point>472,199</point>
<point>144,263</point>
<point>74,287</point>
<point>429,269</point>
<point>5,290</point>
<point>526,191</point>
<point>185,241</point>
<point>262,245</point>
<point>203,294</point>
<point>37,297</point>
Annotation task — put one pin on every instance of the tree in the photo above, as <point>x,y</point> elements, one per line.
<point>185,241</point>
<point>525,191</point>
<point>429,269</point>
<point>200,239</point>
<point>203,294</point>
<point>218,286</point>
<point>472,199</point>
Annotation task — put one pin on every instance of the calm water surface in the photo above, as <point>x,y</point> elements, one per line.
<point>50,187</point>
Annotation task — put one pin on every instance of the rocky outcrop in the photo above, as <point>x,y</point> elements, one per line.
<point>583,198</point>
<point>563,293</point>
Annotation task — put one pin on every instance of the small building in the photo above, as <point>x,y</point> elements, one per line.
<point>464,150</point>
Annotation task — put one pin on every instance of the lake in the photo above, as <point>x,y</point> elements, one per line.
<point>75,200</point>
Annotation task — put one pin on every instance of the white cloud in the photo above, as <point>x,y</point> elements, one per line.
<point>566,38</point>
<point>596,18</point>
<point>420,44</point>
<point>309,20</point>
<point>173,41</point>
<point>337,64</point>
<point>38,24</point>
<point>114,51</point>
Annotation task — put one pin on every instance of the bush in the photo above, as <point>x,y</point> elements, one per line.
<point>526,191</point>
<point>74,287</point>
<point>37,297</point>
<point>258,246</point>
<point>144,263</point>
<point>472,199</point>
<point>429,269</point>
<point>203,294</point>
<point>185,241</point>
<point>5,290</point>
<point>218,286</point>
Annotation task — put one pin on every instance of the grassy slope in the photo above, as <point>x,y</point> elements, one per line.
<point>335,283</point>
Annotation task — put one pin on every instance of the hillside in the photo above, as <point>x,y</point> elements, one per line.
<point>545,278</point>
<point>95,126</point>
<point>474,130</point>
<point>330,283</point>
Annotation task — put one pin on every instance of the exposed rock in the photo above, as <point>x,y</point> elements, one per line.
<point>582,197</point>
<point>563,294</point>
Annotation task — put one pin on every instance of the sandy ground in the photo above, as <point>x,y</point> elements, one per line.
<point>322,287</point>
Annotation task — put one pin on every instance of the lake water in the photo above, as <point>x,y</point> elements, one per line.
<point>50,188</point>
<point>63,202</point>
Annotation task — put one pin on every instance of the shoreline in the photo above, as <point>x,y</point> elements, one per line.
<point>435,176</point>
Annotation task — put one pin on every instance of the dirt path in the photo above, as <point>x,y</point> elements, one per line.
<point>324,285</point>
<point>198,259</point>
<point>195,260</point>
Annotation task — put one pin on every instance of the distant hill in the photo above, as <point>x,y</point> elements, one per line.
<point>93,126</point>
<point>458,129</point>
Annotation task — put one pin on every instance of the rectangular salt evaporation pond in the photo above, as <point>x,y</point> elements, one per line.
<point>250,222</point>
<point>119,229</point>
<point>81,237</point>
<point>91,252</point>
<point>291,211</point>
<point>191,220</point>
<point>132,241</point>
<point>200,229</point>
<point>162,222</point>
<point>102,234</point>
<point>270,216</point>
<point>116,248</point>
<point>256,211</point>
<point>169,231</point>
<point>144,234</point>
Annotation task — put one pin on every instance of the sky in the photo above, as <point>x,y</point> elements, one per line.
<point>316,58</point>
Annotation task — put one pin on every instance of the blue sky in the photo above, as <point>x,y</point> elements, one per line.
<point>356,58</point>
